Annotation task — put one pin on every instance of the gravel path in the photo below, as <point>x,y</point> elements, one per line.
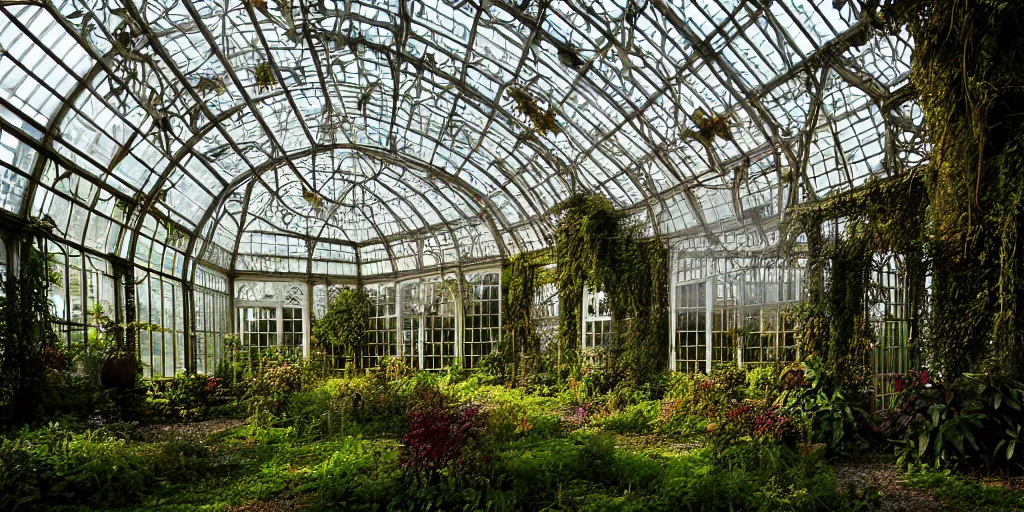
<point>196,431</point>
<point>889,482</point>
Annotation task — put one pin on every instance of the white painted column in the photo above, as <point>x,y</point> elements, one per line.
<point>672,308</point>
<point>709,304</point>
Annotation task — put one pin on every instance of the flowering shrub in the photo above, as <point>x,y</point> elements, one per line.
<point>438,436</point>
<point>270,388</point>
<point>578,415</point>
<point>186,396</point>
<point>753,420</point>
<point>913,382</point>
<point>701,395</point>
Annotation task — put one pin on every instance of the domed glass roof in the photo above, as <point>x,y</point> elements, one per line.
<point>370,138</point>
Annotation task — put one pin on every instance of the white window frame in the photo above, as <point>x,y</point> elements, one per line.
<point>241,305</point>
<point>586,317</point>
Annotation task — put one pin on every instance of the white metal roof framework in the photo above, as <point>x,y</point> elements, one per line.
<point>372,138</point>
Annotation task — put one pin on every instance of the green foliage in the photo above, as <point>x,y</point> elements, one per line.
<point>188,396</point>
<point>764,383</point>
<point>55,464</point>
<point>28,346</point>
<point>333,446</point>
<point>344,324</point>
<point>638,418</point>
<point>972,424</point>
<point>961,494</point>
<point>600,248</point>
<point>834,409</point>
<point>518,356</point>
<point>967,72</point>
<point>272,386</point>
<point>882,217</point>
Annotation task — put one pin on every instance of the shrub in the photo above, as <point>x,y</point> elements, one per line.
<point>764,383</point>
<point>675,419</point>
<point>635,419</point>
<point>834,409</point>
<point>702,396</point>
<point>975,424</point>
<point>55,465</point>
<point>271,387</point>
<point>344,323</point>
<point>189,395</point>
<point>438,436</point>
<point>757,421</point>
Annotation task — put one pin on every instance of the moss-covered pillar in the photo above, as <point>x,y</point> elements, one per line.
<point>968,67</point>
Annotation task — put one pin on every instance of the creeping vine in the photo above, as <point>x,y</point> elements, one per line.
<point>968,67</point>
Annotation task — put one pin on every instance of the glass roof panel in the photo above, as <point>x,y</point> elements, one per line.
<point>418,133</point>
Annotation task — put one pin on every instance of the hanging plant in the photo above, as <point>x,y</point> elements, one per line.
<point>543,120</point>
<point>314,199</point>
<point>707,127</point>
<point>257,4</point>
<point>123,205</point>
<point>175,236</point>
<point>208,84</point>
<point>265,79</point>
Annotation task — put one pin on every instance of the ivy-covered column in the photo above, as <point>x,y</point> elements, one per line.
<point>520,345</point>
<point>968,67</point>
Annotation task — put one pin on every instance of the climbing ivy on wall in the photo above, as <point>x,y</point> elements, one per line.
<point>968,68</point>
<point>586,227</point>
<point>600,248</point>
<point>519,352</point>
<point>638,287</point>
<point>884,216</point>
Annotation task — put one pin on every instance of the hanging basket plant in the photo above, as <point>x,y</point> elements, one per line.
<point>544,120</point>
<point>211,84</point>
<point>260,5</point>
<point>707,127</point>
<point>175,236</point>
<point>313,198</point>
<point>265,79</point>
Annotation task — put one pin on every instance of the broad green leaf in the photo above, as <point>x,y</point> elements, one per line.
<point>970,437</point>
<point>922,443</point>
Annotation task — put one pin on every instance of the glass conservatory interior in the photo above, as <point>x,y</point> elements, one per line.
<point>208,177</point>
<point>228,166</point>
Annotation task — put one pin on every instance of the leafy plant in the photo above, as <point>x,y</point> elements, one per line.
<point>438,436</point>
<point>28,344</point>
<point>544,120</point>
<point>974,424</point>
<point>834,410</point>
<point>264,78</point>
<point>190,395</point>
<point>271,387</point>
<point>344,324</point>
<point>707,127</point>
